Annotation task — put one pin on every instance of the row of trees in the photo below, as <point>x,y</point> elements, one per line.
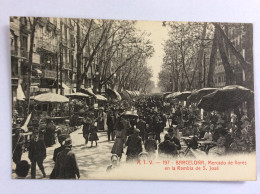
<point>120,52</point>
<point>193,49</point>
<point>115,53</point>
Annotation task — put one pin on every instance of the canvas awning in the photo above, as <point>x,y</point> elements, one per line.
<point>77,94</point>
<point>88,91</point>
<point>113,94</point>
<point>100,97</point>
<point>50,97</point>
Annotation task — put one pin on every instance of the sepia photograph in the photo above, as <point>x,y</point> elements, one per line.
<point>132,100</point>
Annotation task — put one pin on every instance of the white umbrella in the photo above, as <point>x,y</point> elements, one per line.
<point>77,94</point>
<point>100,97</point>
<point>50,97</point>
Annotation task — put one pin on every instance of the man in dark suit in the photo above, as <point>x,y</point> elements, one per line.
<point>110,125</point>
<point>167,148</point>
<point>150,145</point>
<point>173,138</point>
<point>66,166</point>
<point>134,146</point>
<point>37,153</point>
<point>141,124</point>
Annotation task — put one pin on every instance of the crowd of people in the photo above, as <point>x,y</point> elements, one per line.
<point>139,132</point>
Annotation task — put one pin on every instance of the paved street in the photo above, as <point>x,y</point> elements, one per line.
<point>91,161</point>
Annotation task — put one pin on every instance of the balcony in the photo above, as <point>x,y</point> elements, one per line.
<point>52,74</point>
<point>47,46</point>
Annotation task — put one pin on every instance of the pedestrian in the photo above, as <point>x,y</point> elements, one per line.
<point>141,124</point>
<point>37,154</point>
<point>167,148</point>
<point>207,135</point>
<point>150,145</point>
<point>157,127</point>
<point>18,146</point>
<point>93,135</point>
<point>119,142</point>
<point>66,166</point>
<point>49,136</point>
<point>86,128</point>
<point>173,138</point>
<point>61,138</point>
<point>127,126</point>
<point>110,124</point>
<point>134,146</point>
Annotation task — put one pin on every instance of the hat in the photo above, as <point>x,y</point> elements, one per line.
<point>68,142</point>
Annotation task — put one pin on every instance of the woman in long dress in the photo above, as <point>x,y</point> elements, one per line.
<point>119,142</point>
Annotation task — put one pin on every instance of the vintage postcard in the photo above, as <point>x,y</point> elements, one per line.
<point>132,100</point>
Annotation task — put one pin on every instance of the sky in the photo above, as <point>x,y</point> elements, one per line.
<point>158,35</point>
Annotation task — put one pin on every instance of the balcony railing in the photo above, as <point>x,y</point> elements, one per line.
<point>50,74</point>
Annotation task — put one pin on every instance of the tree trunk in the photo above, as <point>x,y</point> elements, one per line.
<point>212,60</point>
<point>228,70</point>
<point>33,28</point>
<point>79,61</point>
<point>247,67</point>
<point>200,57</point>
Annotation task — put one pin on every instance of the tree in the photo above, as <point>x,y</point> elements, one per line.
<point>184,51</point>
<point>32,22</point>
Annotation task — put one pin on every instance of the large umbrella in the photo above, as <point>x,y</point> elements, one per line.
<point>88,91</point>
<point>113,94</point>
<point>129,114</point>
<point>183,95</point>
<point>100,97</point>
<point>50,97</point>
<point>125,95</point>
<point>77,94</point>
<point>198,94</point>
<point>226,98</point>
<point>166,94</point>
<point>172,95</point>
